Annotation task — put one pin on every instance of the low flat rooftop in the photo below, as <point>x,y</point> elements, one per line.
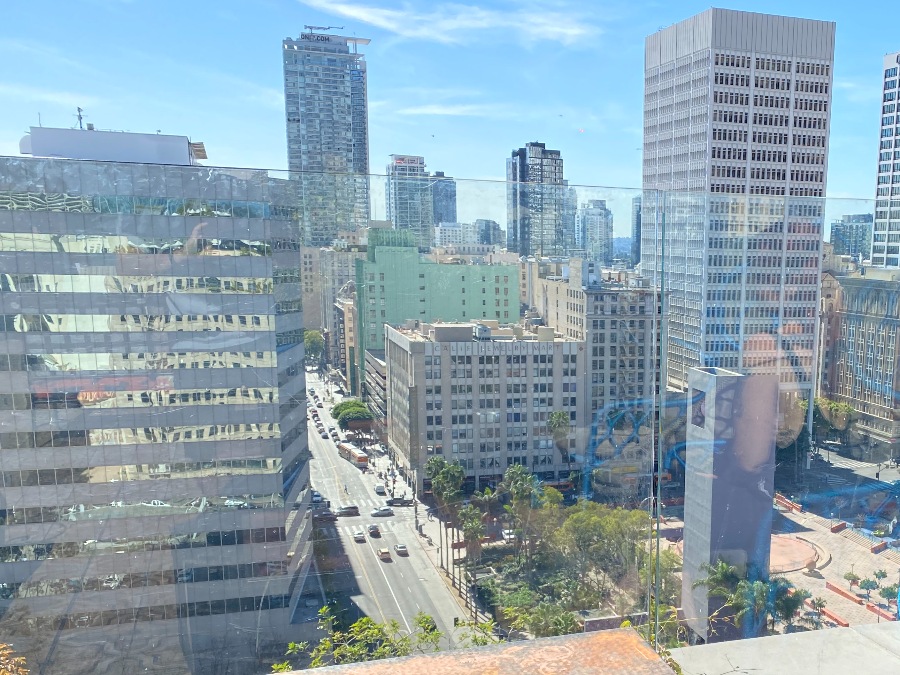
<point>872,649</point>
<point>612,652</point>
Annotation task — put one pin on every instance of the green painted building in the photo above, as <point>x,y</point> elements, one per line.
<point>395,284</point>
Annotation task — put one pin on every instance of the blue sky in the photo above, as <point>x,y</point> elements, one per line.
<point>462,83</point>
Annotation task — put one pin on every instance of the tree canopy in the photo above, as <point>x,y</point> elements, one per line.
<point>364,640</point>
<point>313,344</point>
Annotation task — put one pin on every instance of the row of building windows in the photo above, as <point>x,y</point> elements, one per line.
<point>127,436</point>
<point>115,474</point>
<point>47,587</point>
<point>42,551</point>
<point>50,624</point>
<point>92,395</point>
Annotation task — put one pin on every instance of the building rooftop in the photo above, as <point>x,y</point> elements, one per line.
<point>873,648</point>
<point>614,652</point>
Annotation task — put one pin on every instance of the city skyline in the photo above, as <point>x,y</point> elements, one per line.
<point>452,119</point>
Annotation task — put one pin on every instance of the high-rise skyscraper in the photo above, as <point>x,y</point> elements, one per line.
<point>852,235</point>
<point>636,230</point>
<point>443,198</point>
<point>736,120</point>
<point>595,222</point>
<point>327,132</point>
<point>886,229</point>
<point>154,405</point>
<point>535,201</point>
<point>408,197</point>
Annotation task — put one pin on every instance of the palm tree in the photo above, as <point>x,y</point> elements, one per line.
<point>788,601</point>
<point>750,600</point>
<point>488,500</point>
<point>559,426</point>
<point>470,520</point>
<point>818,604</point>
<point>519,483</point>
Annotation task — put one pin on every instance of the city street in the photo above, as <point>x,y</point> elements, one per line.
<point>381,589</point>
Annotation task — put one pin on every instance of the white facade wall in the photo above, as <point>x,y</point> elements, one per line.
<point>736,123</point>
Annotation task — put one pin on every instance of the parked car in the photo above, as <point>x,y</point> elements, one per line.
<point>236,503</point>
<point>316,497</point>
<point>324,435</point>
<point>401,549</point>
<point>382,511</point>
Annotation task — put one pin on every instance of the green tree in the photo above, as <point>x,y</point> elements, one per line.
<point>546,619</point>
<point>751,602</point>
<point>559,424</point>
<point>470,519</point>
<point>868,585</point>
<point>347,404</point>
<point>488,500</point>
<point>880,575</point>
<point>669,590</point>
<point>346,418</point>
<point>478,633</point>
<point>789,602</point>
<point>581,538</point>
<point>313,344</point>
<point>446,482</point>
<point>851,578</point>
<point>364,640</point>
<point>888,593</point>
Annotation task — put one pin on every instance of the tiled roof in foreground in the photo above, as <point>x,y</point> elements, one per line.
<point>612,652</point>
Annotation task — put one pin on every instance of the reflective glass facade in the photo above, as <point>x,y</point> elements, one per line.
<point>152,412</point>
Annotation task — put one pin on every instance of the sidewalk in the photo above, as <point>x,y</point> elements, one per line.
<point>842,555</point>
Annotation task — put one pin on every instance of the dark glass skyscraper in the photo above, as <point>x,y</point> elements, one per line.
<point>535,201</point>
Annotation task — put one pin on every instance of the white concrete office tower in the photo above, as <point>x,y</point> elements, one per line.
<point>886,229</point>
<point>595,224</point>
<point>736,120</point>
<point>534,196</point>
<point>327,131</point>
<point>408,197</point>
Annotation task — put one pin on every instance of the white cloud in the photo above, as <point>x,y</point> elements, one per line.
<point>457,23</point>
<point>857,92</point>
<point>54,96</point>
<point>457,110</point>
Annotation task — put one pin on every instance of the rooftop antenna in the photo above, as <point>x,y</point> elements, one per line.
<point>80,118</point>
<point>324,27</point>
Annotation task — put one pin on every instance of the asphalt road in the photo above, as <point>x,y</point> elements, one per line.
<point>383,590</point>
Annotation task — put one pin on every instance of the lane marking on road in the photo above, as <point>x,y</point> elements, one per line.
<point>391,589</point>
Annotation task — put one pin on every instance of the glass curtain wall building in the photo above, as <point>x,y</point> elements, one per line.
<point>327,132</point>
<point>152,399</point>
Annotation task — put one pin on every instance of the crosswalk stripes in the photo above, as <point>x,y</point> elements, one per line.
<point>331,531</point>
<point>847,463</point>
<point>831,479</point>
